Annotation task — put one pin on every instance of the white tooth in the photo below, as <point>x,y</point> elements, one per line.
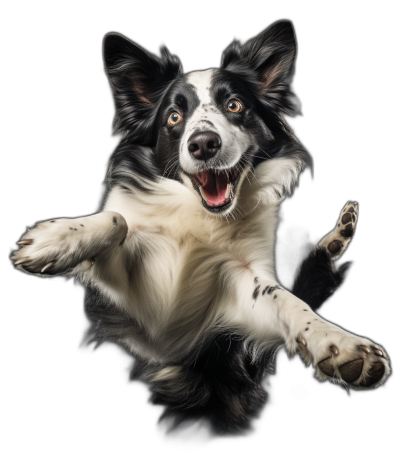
<point>228,191</point>
<point>202,194</point>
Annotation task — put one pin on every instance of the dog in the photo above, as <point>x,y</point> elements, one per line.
<point>178,264</point>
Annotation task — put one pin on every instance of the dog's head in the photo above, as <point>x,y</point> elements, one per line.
<point>208,128</point>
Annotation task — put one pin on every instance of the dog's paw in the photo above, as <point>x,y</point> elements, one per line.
<point>51,247</point>
<point>337,241</point>
<point>340,355</point>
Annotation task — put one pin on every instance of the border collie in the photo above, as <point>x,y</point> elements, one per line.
<point>179,263</point>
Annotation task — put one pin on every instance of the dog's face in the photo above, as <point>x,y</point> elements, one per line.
<point>207,128</point>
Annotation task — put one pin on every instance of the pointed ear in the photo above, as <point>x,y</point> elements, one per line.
<point>271,56</point>
<point>138,79</point>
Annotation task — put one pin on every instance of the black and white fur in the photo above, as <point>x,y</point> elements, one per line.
<point>183,277</point>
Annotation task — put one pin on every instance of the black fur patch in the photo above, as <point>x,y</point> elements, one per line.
<point>317,277</point>
<point>256,292</point>
<point>221,384</point>
<point>271,289</point>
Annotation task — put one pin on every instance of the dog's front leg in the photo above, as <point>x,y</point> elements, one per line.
<point>59,245</point>
<point>276,315</point>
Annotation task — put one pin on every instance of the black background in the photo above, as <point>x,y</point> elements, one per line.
<point>60,134</point>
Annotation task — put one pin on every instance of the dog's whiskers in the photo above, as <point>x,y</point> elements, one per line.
<point>170,165</point>
<point>267,154</point>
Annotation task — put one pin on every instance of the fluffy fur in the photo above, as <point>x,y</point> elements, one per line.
<point>179,263</point>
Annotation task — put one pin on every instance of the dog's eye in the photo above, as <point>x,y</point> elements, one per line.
<point>234,106</point>
<point>174,119</point>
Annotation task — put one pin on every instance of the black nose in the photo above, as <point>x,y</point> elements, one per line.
<point>204,145</point>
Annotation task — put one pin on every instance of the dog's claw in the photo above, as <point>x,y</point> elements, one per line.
<point>377,351</point>
<point>49,265</point>
<point>301,340</point>
<point>365,349</point>
<point>335,350</point>
<point>23,260</point>
<point>27,241</point>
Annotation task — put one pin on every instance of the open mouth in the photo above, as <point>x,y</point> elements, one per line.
<point>216,187</point>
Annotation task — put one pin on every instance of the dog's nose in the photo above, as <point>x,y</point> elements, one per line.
<point>204,145</point>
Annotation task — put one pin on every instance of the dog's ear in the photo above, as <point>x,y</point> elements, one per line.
<point>138,80</point>
<point>271,56</point>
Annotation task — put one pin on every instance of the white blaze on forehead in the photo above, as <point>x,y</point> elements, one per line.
<point>202,82</point>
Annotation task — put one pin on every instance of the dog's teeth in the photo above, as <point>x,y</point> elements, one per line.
<point>202,193</point>
<point>228,191</point>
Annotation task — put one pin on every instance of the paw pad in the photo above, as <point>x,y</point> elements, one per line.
<point>326,367</point>
<point>348,231</point>
<point>375,374</point>
<point>362,371</point>
<point>335,246</point>
<point>351,371</point>
<point>346,218</point>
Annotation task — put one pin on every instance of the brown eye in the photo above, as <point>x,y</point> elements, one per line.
<point>234,106</point>
<point>174,119</point>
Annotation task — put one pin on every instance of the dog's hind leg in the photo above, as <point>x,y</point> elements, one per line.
<point>318,276</point>
<point>59,245</point>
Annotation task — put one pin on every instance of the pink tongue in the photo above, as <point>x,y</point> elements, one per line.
<point>214,187</point>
